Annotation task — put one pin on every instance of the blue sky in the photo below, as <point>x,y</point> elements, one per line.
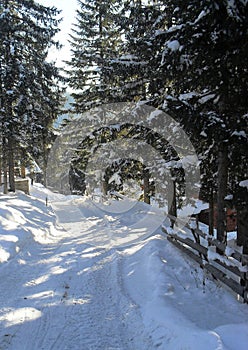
<point>68,8</point>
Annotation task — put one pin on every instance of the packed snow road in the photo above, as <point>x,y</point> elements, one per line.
<point>75,276</point>
<point>68,294</point>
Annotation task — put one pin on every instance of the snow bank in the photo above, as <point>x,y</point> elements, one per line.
<point>23,219</point>
<point>181,308</point>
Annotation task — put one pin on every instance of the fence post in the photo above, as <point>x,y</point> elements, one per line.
<point>244,282</point>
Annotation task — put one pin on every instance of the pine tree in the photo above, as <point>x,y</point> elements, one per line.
<point>135,62</point>
<point>43,110</point>
<point>26,32</point>
<point>94,43</point>
<point>204,62</point>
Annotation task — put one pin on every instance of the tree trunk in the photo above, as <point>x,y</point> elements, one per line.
<point>105,181</point>
<point>172,201</point>
<point>146,186</point>
<point>23,172</point>
<point>1,170</point>
<point>23,164</point>
<point>45,162</point>
<point>4,165</point>
<point>211,214</point>
<point>11,165</point>
<point>241,199</point>
<point>221,192</point>
<point>242,229</point>
<point>5,180</point>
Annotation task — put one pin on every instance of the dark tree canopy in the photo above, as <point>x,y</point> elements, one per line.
<point>29,90</point>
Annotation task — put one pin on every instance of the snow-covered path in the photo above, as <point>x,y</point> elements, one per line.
<point>68,295</point>
<point>76,277</point>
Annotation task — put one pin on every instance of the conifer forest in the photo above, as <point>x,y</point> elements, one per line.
<point>188,59</point>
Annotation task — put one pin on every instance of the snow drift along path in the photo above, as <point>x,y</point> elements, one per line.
<point>65,285</point>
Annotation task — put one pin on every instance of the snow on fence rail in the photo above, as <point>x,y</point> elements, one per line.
<point>231,268</point>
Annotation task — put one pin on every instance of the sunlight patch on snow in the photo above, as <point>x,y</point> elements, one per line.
<point>4,255</point>
<point>57,270</point>
<point>8,238</point>
<point>22,262</point>
<point>5,242</point>
<point>53,259</point>
<point>11,218</point>
<point>40,235</point>
<point>93,249</point>
<point>9,223</point>
<point>87,269</point>
<point>19,316</point>
<point>42,295</point>
<point>90,254</point>
<point>36,281</point>
<point>137,246</point>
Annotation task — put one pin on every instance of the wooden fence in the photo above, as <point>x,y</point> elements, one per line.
<point>230,268</point>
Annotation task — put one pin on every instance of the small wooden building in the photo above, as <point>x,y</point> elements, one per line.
<point>22,185</point>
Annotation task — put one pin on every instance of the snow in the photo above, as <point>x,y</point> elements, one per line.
<point>241,133</point>
<point>233,8</point>
<point>128,60</point>
<point>187,96</point>
<point>116,178</point>
<point>173,45</point>
<point>201,15</point>
<point>244,183</point>
<point>195,208</point>
<point>79,275</point>
<point>174,28</point>
<point>154,115</point>
<point>206,98</point>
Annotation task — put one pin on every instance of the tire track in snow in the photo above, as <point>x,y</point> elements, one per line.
<point>88,308</point>
<point>106,316</point>
<point>97,315</point>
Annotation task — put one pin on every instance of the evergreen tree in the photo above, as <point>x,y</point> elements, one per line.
<point>196,67</point>
<point>135,62</point>
<point>26,32</point>
<point>43,110</point>
<point>204,62</point>
<point>94,42</point>
<point>187,58</point>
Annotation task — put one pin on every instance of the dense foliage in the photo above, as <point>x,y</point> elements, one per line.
<point>188,58</point>
<point>29,90</point>
<point>95,42</point>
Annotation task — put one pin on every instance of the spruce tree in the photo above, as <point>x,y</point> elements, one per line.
<point>94,42</point>
<point>26,32</point>
<point>135,63</point>
<point>204,62</point>
<point>195,56</point>
<point>43,110</point>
